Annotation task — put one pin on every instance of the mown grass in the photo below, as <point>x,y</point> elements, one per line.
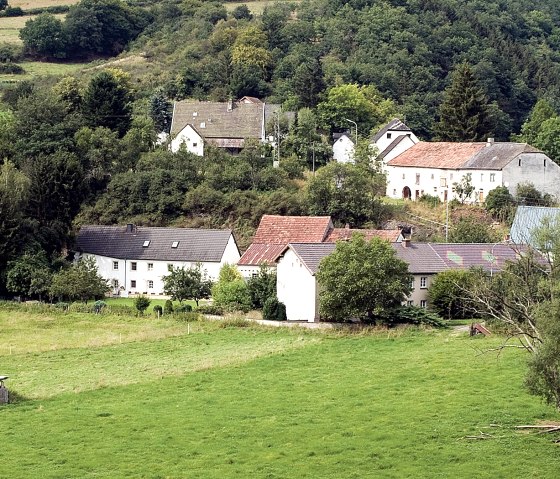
<point>271,403</point>
<point>28,4</point>
<point>10,26</point>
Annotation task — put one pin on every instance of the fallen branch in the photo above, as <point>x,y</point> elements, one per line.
<point>545,428</point>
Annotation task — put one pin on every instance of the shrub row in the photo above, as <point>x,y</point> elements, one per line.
<point>20,12</point>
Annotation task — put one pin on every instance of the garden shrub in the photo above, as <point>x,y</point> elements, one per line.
<point>188,316</point>
<point>236,322</point>
<point>98,306</point>
<point>61,305</point>
<point>168,308</point>
<point>11,68</point>
<point>158,310</point>
<point>141,303</point>
<point>183,308</point>
<point>430,200</point>
<point>413,315</point>
<point>211,309</point>
<point>274,310</point>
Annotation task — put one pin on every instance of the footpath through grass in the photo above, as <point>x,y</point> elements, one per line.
<point>268,403</point>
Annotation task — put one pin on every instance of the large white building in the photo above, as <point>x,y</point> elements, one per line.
<point>433,168</point>
<point>135,258</point>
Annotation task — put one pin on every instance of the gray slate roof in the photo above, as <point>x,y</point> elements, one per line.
<point>427,258</point>
<point>394,125</point>
<point>497,155</point>
<point>195,245</point>
<point>527,218</point>
<point>311,254</point>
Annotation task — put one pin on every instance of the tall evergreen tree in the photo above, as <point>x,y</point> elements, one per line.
<point>465,111</point>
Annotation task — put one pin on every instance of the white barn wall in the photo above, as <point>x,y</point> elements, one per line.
<point>296,288</point>
<point>193,142</point>
<point>534,168</point>
<point>343,150</point>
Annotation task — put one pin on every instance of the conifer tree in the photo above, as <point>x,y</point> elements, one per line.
<point>464,113</point>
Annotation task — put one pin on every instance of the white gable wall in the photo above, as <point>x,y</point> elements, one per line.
<point>297,289</point>
<point>404,145</point>
<point>343,150</point>
<point>188,136</point>
<point>391,136</point>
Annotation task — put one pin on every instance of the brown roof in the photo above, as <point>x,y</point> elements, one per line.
<point>448,155</point>
<point>275,229</point>
<point>346,233</point>
<point>258,254</point>
<point>213,120</point>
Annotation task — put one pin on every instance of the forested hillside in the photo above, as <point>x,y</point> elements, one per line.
<point>83,149</point>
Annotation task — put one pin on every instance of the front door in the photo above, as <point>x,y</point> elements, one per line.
<point>406,193</point>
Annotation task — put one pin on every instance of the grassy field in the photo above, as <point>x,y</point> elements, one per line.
<point>10,27</point>
<point>150,400</point>
<point>27,4</point>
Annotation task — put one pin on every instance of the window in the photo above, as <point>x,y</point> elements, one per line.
<point>423,282</point>
<point>133,283</point>
<point>412,283</point>
<point>133,266</point>
<point>150,284</point>
<point>410,303</point>
<point>519,164</point>
<point>150,266</point>
<point>403,176</point>
<point>417,178</point>
<point>146,244</point>
<point>423,303</point>
<point>195,145</point>
<point>115,283</point>
<point>481,176</point>
<point>435,189</point>
<point>115,265</point>
<point>432,176</point>
<point>389,136</point>
<point>175,244</point>
<point>492,177</point>
<point>450,176</point>
<point>394,192</point>
<point>544,163</point>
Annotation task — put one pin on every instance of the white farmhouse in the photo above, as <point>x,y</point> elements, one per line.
<point>135,258</point>
<point>433,168</point>
<point>298,289</point>
<point>225,125</point>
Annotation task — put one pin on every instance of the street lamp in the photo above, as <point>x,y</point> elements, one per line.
<point>356,126</point>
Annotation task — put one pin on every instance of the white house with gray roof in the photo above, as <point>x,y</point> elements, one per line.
<point>135,258</point>
<point>391,140</point>
<point>226,125</point>
<point>296,270</point>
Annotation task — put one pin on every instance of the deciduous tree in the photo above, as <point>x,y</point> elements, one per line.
<point>80,281</point>
<point>362,279</point>
<point>187,283</point>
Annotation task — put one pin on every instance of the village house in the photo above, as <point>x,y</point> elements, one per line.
<point>225,125</point>
<point>135,258</point>
<point>433,169</point>
<point>390,141</point>
<point>298,264</point>
<point>276,232</point>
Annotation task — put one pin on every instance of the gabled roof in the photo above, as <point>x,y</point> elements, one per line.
<point>346,233</point>
<point>392,146</point>
<point>275,229</point>
<point>394,125</point>
<point>467,255</point>
<point>421,257</point>
<point>449,155</point>
<point>144,243</point>
<point>214,120</point>
<point>257,254</point>
<point>311,254</point>
<point>527,218</point>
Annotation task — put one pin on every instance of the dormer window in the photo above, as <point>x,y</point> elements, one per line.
<point>146,244</point>
<point>389,136</point>
<point>175,244</point>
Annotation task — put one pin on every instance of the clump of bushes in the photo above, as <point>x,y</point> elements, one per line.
<point>183,308</point>
<point>413,315</point>
<point>98,306</point>
<point>430,200</point>
<point>141,303</point>
<point>158,310</point>
<point>274,310</point>
<point>211,309</point>
<point>236,322</point>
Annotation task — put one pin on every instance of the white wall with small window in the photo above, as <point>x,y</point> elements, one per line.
<point>189,138</point>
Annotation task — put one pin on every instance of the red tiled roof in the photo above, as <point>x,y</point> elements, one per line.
<point>274,229</point>
<point>437,155</point>
<point>258,254</point>
<point>346,233</point>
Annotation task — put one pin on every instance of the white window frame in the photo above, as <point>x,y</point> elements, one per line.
<point>423,303</point>
<point>150,266</point>
<point>115,265</point>
<point>423,282</point>
<point>133,284</point>
<point>150,284</point>
<point>133,266</point>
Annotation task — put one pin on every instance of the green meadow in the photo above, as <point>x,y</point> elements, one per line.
<point>114,397</point>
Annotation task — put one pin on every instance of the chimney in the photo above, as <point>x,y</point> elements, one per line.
<point>490,142</point>
<point>230,104</point>
<point>405,242</point>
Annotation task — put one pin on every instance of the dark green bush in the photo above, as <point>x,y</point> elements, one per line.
<point>13,12</point>
<point>158,310</point>
<point>98,306</point>
<point>188,316</point>
<point>413,315</point>
<point>11,68</point>
<point>274,310</point>
<point>61,305</point>
<point>183,308</point>
<point>211,310</point>
<point>168,308</point>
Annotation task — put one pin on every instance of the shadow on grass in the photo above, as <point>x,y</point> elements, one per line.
<point>16,398</point>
